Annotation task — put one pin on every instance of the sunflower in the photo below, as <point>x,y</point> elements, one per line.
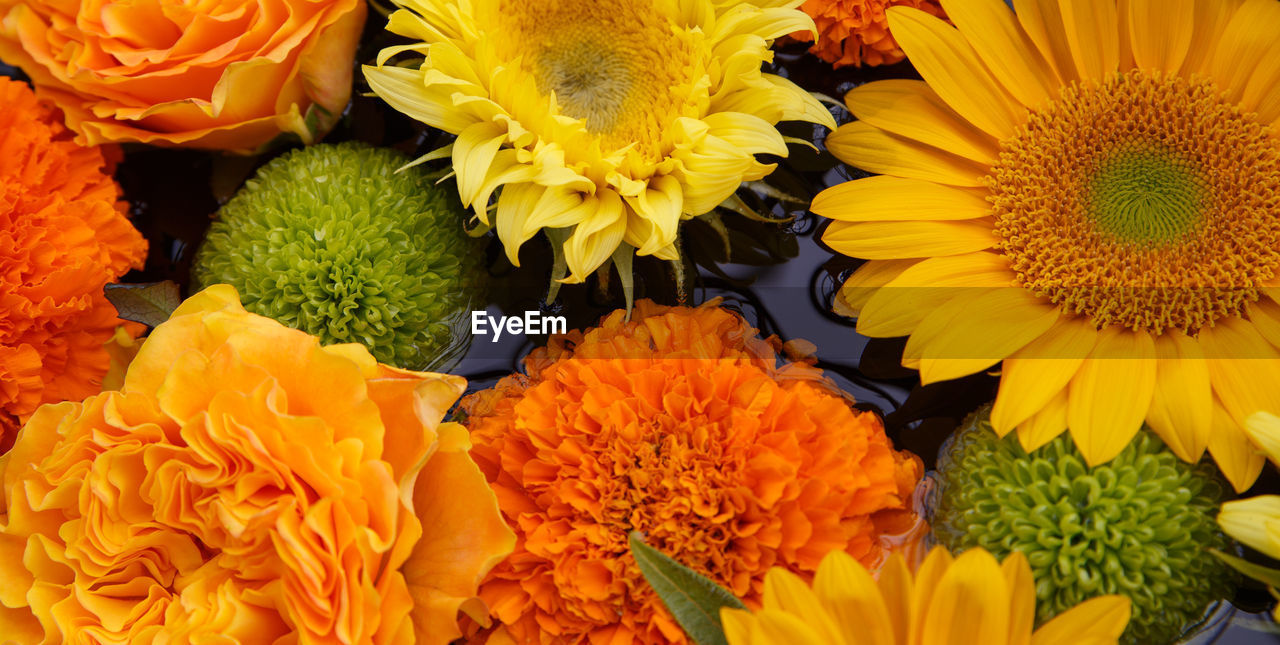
<point>606,121</point>
<point>967,599</point>
<point>1089,192</point>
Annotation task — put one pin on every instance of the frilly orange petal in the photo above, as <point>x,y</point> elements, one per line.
<point>245,483</point>
<point>455,551</point>
<point>684,424</point>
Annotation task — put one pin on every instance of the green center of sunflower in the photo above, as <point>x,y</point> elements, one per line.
<point>622,66</point>
<point>1146,196</point>
<point>1146,201</point>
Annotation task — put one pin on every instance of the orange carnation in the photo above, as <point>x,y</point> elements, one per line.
<point>227,75</point>
<point>63,235</point>
<point>246,485</point>
<point>855,32</point>
<point>682,424</point>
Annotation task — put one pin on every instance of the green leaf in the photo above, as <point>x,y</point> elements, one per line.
<point>558,237</point>
<point>694,600</point>
<point>622,261</point>
<point>149,304</point>
<point>1265,575</point>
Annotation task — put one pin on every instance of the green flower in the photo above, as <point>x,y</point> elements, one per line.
<point>330,239</point>
<point>1138,525</point>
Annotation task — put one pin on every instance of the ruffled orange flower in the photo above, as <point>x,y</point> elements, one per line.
<point>855,32</point>
<point>226,75</point>
<point>682,424</point>
<point>246,485</point>
<point>63,235</point>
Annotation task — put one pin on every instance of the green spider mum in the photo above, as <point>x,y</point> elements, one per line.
<point>330,239</point>
<point>1138,525</point>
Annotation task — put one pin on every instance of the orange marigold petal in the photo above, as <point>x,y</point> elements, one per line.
<point>63,235</point>
<point>684,424</point>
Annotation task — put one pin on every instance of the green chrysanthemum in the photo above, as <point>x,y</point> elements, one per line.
<point>1138,525</point>
<point>330,239</point>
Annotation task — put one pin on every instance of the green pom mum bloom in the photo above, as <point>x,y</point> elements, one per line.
<point>331,240</point>
<point>1138,525</point>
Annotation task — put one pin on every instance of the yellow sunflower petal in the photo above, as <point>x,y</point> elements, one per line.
<point>1264,429</point>
<point>595,237</point>
<point>1007,50</point>
<point>786,592</point>
<point>1095,621</point>
<point>1110,395</point>
<point>1265,315</point>
<point>898,307</point>
<point>1251,32</point>
<point>1255,522</point>
<point>1160,32</point>
<point>911,109</point>
<point>896,587</point>
<point>1182,406</point>
<point>1093,34</point>
<point>1022,597</point>
<point>776,627</point>
<point>1244,367</point>
<point>874,150</point>
<point>952,68</point>
<point>927,579</point>
<point>1262,92</point>
<point>737,624</point>
<point>1211,18</point>
<point>1042,22</point>
<point>1237,458</point>
<point>885,198</point>
<point>1044,426</point>
<point>973,332</point>
<point>896,240</point>
<point>1037,373</point>
<point>971,603</point>
<point>865,282</point>
<point>402,88</point>
<point>849,595</point>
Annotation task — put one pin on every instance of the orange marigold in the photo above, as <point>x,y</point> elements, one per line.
<point>855,32</point>
<point>63,235</point>
<point>246,485</point>
<point>681,423</point>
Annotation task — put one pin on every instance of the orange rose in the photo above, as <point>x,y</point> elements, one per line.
<point>222,75</point>
<point>246,485</point>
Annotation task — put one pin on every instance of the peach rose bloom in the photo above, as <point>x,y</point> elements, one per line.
<point>246,485</point>
<point>228,75</point>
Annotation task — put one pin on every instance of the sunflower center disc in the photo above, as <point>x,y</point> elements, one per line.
<point>1146,196</point>
<point>622,66</point>
<point>1146,201</point>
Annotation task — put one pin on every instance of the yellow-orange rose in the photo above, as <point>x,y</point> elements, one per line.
<point>226,75</point>
<point>246,485</point>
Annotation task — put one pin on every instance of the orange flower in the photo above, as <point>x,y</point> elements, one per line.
<point>63,235</point>
<point>681,424</point>
<point>855,32</point>
<point>217,75</point>
<point>246,485</point>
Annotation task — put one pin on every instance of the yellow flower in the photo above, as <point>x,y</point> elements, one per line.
<point>964,600</point>
<point>1088,191</point>
<point>608,120</point>
<point>246,485</point>
<point>1255,521</point>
